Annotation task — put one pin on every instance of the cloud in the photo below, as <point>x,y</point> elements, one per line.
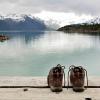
<point>32,6</point>
<point>63,18</point>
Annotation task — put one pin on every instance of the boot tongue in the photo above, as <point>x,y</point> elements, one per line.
<point>77,69</point>
<point>57,69</point>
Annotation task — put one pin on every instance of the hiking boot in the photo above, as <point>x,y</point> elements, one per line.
<point>77,78</point>
<point>55,78</point>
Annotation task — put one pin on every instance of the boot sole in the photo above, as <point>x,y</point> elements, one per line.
<point>56,89</point>
<point>78,89</point>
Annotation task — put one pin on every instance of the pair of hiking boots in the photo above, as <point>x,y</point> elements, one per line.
<point>76,75</point>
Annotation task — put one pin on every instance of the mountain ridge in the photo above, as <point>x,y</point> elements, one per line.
<point>25,22</point>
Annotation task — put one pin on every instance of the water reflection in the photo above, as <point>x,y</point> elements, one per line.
<point>51,41</point>
<point>33,53</point>
<point>45,42</point>
<point>60,42</point>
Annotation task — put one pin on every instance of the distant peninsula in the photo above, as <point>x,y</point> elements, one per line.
<point>88,27</point>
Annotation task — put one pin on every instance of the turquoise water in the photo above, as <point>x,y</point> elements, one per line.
<point>34,53</point>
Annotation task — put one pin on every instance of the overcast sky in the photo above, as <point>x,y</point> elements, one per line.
<point>77,7</point>
<point>35,6</point>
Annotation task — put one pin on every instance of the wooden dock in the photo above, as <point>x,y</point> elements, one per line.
<point>35,88</point>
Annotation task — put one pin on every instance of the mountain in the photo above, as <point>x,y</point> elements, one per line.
<point>90,26</point>
<point>21,22</point>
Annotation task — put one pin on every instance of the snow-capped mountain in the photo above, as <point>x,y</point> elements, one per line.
<point>26,22</point>
<point>21,22</point>
<point>15,17</point>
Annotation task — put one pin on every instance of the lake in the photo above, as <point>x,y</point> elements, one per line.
<point>34,53</point>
